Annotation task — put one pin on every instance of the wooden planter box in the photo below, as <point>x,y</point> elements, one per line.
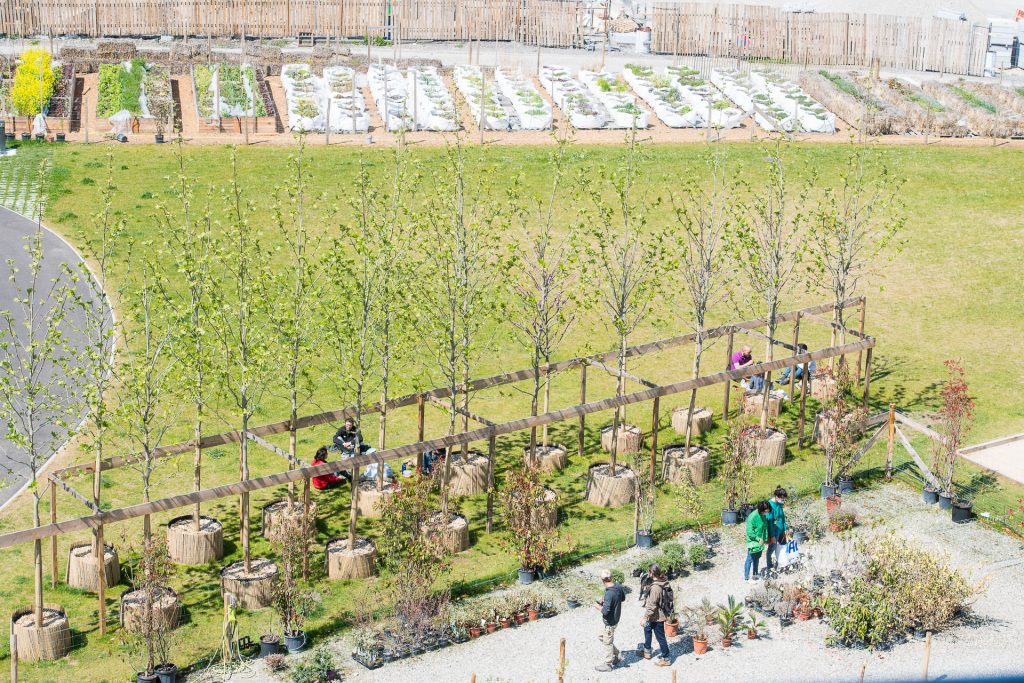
<point>343,563</point>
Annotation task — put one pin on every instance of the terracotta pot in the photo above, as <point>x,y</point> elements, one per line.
<point>726,642</point>
<point>671,629</point>
<point>520,618</point>
<point>802,613</point>
<point>532,614</point>
<point>474,631</point>
<point>833,503</point>
<point>700,646</point>
<point>751,634</point>
<point>506,622</point>
<point>491,627</point>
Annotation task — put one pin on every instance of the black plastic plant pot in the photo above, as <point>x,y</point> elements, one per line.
<point>961,511</point>
<point>945,501</point>
<point>828,490</point>
<point>25,137</point>
<point>729,517</point>
<point>143,677</point>
<point>61,137</point>
<point>573,604</point>
<point>800,536</point>
<point>644,539</point>
<point>168,673</point>
<point>159,138</point>
<point>930,495</point>
<point>845,485</point>
<point>295,642</point>
<point>269,645</point>
<point>744,512</point>
<point>526,576</point>
<point>40,137</point>
<point>9,136</point>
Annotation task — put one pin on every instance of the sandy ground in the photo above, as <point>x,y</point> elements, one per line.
<point>1005,458</point>
<point>987,645</point>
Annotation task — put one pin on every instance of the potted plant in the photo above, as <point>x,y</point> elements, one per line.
<point>755,626</point>
<point>291,600</point>
<point>930,494</point>
<point>955,417</point>
<point>840,429</point>
<point>728,617</point>
<point>150,631</point>
<point>672,626</point>
<point>841,520</point>
<point>736,471</point>
<point>698,619</point>
<point>644,499</point>
<point>524,505</point>
<point>269,644</point>
<point>832,503</point>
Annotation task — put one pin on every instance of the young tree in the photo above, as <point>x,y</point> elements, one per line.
<point>96,355</point>
<point>524,507</point>
<point>189,241</point>
<point>460,226</point>
<point>626,258</point>
<point>769,247</point>
<point>704,217</point>
<point>956,416</point>
<point>240,322</point>
<point>856,229</point>
<point>38,374</point>
<point>151,572</point>
<point>146,407</point>
<point>543,275</point>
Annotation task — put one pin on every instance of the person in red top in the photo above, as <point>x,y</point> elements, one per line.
<point>329,480</point>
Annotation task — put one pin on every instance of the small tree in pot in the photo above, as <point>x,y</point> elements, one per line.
<point>149,636</point>
<point>956,416</point>
<point>644,501</point>
<point>736,470</point>
<point>840,426</point>
<point>292,600</point>
<point>524,504</point>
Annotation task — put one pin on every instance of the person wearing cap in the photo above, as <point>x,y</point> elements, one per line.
<point>611,609</point>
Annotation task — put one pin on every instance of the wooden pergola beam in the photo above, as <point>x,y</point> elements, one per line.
<point>833,324</point>
<point>625,375</point>
<point>340,414</point>
<point>260,441</point>
<point>522,424</point>
<point>72,492</point>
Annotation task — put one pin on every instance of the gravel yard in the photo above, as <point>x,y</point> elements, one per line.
<point>989,644</point>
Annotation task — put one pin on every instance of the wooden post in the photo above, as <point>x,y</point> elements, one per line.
<point>673,676</point>
<point>491,448</point>
<point>728,384</point>
<point>353,510</point>
<point>796,347</point>
<point>53,539</point>
<point>583,399</point>
<point>654,437</point>
<point>85,116</point>
<point>892,441</point>
<point>101,579</point>
<point>561,659</point>
<point>419,429</point>
<point>14,655</point>
<point>860,328</point>
<point>803,403</point>
<point>928,636</point>
<point>867,377</point>
<point>472,678</point>
<point>863,666</point>
<point>305,525</point>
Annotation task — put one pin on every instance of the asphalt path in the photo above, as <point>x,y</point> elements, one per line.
<point>15,230</point>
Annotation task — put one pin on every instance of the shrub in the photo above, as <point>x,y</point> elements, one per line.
<point>698,555</point>
<point>867,616</point>
<point>34,81</point>
<point>276,662</point>
<point>841,520</point>
<point>317,669</point>
<point>928,593</point>
<point>673,557</point>
<point>618,576</point>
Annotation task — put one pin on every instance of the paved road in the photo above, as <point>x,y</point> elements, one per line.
<point>14,229</point>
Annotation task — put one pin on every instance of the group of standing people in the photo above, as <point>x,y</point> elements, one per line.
<point>766,530</point>
<point>659,606</point>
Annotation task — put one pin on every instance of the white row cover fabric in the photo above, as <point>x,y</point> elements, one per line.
<point>613,93</point>
<point>347,106</point>
<point>662,96</point>
<point>576,101</point>
<point>775,104</point>
<point>533,111</point>
<point>470,81</point>
<point>305,101</point>
<point>432,104</point>
<point>391,95</point>
<point>714,109</point>
<point>810,116</point>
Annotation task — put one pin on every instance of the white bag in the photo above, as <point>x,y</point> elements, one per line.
<point>39,125</point>
<point>790,554</point>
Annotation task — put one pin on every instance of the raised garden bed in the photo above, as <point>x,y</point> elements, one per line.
<point>304,100</point>
<point>347,107</point>
<point>391,95</point>
<point>533,112</point>
<point>660,95</point>
<point>143,90</point>
<point>613,93</point>
<point>856,105</point>
<point>712,107</point>
<point>774,103</point>
<point>482,97</point>
<point>226,92</point>
<point>924,113</point>
<point>579,105</point>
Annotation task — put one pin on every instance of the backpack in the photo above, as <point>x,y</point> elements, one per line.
<point>667,603</point>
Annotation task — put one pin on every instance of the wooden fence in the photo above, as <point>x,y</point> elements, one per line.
<point>552,23</point>
<point>830,38</point>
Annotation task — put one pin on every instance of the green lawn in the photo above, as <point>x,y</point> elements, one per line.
<point>952,292</point>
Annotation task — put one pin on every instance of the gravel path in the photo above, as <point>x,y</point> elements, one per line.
<point>990,645</point>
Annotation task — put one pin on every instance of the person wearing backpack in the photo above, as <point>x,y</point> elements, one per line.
<point>757,538</point>
<point>611,609</point>
<point>659,603</point>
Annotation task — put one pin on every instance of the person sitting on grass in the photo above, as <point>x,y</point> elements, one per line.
<point>798,370</point>
<point>742,359</point>
<point>329,480</point>
<point>346,438</point>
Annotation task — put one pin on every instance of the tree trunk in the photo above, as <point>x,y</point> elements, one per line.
<point>697,352</point>
<point>244,498</point>
<point>353,509</point>
<point>37,560</point>
<point>547,402</point>
<point>769,355</point>
<point>197,461</point>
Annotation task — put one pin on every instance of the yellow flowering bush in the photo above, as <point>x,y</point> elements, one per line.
<point>27,96</point>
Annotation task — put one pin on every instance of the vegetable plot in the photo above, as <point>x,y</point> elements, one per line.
<point>470,82</point>
<point>140,89</point>
<point>390,94</point>
<point>227,90</point>
<point>533,112</point>
<point>857,106</point>
<point>302,92</point>
<point>580,106</point>
<point>923,112</point>
<point>613,93</point>
<point>432,104</point>
<point>714,108</point>
<point>774,103</point>
<point>347,106</point>
<point>987,110</point>
<point>661,95</point>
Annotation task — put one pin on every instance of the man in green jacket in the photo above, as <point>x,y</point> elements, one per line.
<point>757,537</point>
<point>778,529</point>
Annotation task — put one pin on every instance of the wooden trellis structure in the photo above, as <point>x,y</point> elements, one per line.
<point>862,346</point>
